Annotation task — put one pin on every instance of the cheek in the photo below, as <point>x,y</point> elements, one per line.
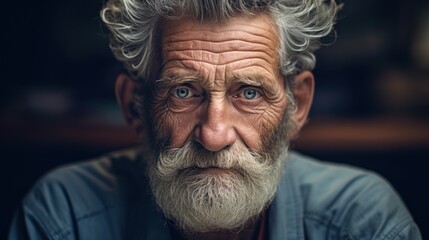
<point>181,128</point>
<point>159,116</point>
<point>270,118</point>
<point>172,127</point>
<point>255,127</point>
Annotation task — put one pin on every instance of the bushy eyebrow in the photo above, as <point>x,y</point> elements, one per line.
<point>254,80</point>
<point>172,79</point>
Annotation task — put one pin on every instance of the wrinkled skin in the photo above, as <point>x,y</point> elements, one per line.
<point>220,83</point>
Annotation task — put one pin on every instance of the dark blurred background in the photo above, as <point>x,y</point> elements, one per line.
<point>371,106</point>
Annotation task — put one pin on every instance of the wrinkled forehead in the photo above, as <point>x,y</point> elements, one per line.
<point>247,39</point>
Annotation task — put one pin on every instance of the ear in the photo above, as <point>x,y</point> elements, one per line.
<point>125,89</point>
<point>303,92</point>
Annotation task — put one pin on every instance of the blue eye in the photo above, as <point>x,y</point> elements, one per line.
<point>182,92</point>
<point>250,93</point>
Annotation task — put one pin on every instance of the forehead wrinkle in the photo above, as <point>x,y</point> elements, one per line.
<point>172,78</point>
<point>205,35</point>
<point>232,49</point>
<point>218,47</point>
<point>191,62</point>
<point>192,66</point>
<point>172,35</point>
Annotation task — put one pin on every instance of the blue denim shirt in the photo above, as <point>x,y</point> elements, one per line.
<point>108,198</point>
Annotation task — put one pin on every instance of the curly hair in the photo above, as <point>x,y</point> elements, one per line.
<point>134,26</point>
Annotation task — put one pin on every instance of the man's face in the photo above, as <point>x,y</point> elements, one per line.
<point>220,83</point>
<point>219,109</point>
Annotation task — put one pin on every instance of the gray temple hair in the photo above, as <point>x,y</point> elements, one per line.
<point>134,26</point>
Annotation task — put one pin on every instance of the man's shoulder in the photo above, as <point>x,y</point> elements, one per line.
<point>78,194</point>
<point>325,179</point>
<point>96,181</point>
<point>347,199</point>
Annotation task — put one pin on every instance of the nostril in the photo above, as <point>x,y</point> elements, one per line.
<point>198,146</point>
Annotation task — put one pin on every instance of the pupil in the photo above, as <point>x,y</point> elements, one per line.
<point>249,94</point>
<point>182,92</point>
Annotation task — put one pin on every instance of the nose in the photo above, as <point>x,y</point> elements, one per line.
<point>215,131</point>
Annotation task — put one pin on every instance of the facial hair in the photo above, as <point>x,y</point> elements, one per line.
<point>198,200</point>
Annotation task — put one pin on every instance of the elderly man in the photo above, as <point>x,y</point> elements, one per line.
<point>215,90</point>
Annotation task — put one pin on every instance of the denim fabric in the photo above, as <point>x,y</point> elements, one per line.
<point>108,198</point>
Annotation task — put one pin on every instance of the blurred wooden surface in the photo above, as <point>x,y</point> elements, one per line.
<point>365,134</point>
<point>318,134</point>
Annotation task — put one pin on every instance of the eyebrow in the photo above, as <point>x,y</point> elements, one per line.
<point>255,80</point>
<point>172,79</point>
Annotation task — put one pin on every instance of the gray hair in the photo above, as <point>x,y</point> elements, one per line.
<point>134,27</point>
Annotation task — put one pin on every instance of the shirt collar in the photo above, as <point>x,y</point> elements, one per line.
<point>286,211</point>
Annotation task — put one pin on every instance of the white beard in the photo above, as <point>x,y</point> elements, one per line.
<point>200,201</point>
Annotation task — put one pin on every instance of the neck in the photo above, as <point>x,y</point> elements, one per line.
<point>249,232</point>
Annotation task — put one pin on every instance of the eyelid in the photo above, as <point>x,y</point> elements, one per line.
<point>257,88</point>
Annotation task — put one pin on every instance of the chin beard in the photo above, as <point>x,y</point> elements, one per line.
<point>204,191</point>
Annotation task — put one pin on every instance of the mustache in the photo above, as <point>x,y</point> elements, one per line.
<point>193,157</point>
